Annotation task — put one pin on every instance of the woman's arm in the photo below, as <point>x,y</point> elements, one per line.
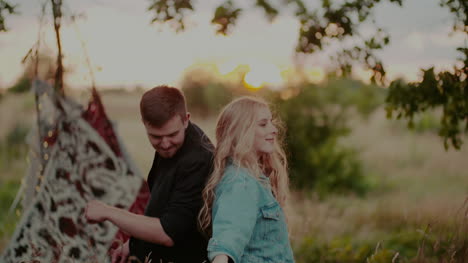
<point>235,212</point>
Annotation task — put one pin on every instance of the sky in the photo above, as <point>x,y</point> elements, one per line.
<point>126,50</point>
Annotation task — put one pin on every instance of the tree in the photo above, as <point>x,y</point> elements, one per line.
<point>448,90</point>
<point>43,67</point>
<point>339,21</point>
<point>319,27</point>
<point>5,8</point>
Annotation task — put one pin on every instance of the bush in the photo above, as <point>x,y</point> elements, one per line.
<point>206,95</point>
<point>206,98</point>
<point>21,86</point>
<point>316,118</point>
<point>353,93</point>
<point>427,122</point>
<point>8,222</point>
<point>13,150</point>
<point>14,147</point>
<point>8,192</point>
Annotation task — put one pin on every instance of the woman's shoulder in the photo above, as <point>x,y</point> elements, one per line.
<point>235,174</point>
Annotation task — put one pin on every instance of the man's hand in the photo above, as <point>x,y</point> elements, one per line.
<point>142,227</point>
<point>120,254</point>
<point>96,211</point>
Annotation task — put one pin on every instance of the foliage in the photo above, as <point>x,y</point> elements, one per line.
<point>353,93</point>
<point>460,9</point>
<point>13,147</point>
<point>339,20</point>
<point>318,27</point>
<point>226,16</point>
<point>316,118</point>
<point>403,246</point>
<point>8,190</point>
<point>5,8</point>
<point>206,95</point>
<point>446,90</point>
<point>427,122</point>
<point>337,250</point>
<point>206,98</point>
<point>171,10</point>
<point>21,86</point>
<point>7,194</point>
<point>44,70</point>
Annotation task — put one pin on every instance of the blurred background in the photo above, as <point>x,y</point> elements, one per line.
<point>372,95</point>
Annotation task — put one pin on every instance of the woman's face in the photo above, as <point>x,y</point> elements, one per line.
<point>265,132</point>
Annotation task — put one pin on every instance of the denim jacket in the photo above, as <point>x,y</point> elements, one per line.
<point>248,223</point>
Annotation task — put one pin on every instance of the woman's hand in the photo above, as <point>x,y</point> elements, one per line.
<point>96,211</point>
<point>221,259</point>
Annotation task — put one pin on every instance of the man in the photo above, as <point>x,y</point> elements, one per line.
<point>167,232</point>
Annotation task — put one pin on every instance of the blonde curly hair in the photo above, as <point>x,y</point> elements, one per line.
<point>235,133</point>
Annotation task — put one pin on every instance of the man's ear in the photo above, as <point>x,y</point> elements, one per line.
<point>187,118</point>
<point>145,123</point>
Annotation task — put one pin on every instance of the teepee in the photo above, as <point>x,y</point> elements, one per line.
<point>75,156</point>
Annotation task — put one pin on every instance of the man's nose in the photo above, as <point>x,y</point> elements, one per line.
<point>165,143</point>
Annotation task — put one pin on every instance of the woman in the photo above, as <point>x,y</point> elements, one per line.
<point>244,196</point>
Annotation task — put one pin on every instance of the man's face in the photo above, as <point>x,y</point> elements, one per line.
<point>166,140</point>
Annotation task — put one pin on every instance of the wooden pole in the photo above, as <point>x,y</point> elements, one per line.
<point>57,13</point>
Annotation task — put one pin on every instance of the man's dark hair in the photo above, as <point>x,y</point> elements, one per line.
<point>159,104</point>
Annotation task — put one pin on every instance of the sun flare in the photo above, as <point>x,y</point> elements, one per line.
<point>261,74</point>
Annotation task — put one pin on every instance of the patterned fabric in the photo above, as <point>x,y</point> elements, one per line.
<point>97,118</point>
<point>83,160</point>
<point>42,137</point>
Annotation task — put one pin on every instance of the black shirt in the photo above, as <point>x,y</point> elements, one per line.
<point>176,185</point>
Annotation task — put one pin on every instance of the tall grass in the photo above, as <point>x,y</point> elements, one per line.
<point>13,151</point>
<point>416,212</point>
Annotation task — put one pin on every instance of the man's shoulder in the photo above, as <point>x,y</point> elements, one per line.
<point>199,151</point>
<point>201,147</point>
<point>196,158</point>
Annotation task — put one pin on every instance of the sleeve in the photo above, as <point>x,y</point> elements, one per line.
<point>234,217</point>
<point>150,178</point>
<point>180,216</point>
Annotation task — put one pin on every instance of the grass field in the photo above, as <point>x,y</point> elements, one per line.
<point>416,183</point>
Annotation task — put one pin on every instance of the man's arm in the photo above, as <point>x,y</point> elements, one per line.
<point>142,227</point>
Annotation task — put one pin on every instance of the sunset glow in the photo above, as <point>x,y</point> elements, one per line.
<point>261,74</point>
<point>126,50</point>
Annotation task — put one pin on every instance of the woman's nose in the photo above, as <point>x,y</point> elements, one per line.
<point>274,129</point>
